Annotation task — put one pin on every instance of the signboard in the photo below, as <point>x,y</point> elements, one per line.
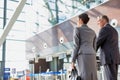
<point>6,69</point>
<point>13,70</point>
<point>49,58</point>
<point>61,56</point>
<point>6,75</point>
<point>20,73</point>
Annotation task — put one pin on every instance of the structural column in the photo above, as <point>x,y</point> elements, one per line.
<point>4,43</point>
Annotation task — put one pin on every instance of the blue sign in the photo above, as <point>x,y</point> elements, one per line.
<point>6,69</point>
<point>6,75</point>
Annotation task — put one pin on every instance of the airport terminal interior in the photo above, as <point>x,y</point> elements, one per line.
<point>36,36</point>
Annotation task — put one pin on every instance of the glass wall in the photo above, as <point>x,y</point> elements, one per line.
<point>37,16</point>
<point>44,14</point>
<point>15,41</point>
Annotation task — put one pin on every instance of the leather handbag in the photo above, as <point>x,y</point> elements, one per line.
<point>74,75</point>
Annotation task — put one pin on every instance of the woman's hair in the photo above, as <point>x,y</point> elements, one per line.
<point>84,18</point>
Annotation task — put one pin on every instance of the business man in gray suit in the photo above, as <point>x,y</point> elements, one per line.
<point>108,42</point>
<point>84,49</point>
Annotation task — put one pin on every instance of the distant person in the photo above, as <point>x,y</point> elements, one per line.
<point>27,77</point>
<point>84,51</point>
<point>27,74</point>
<point>108,43</point>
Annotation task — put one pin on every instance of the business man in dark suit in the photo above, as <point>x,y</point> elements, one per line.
<point>108,43</point>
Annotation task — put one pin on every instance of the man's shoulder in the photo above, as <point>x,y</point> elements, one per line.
<point>109,27</point>
<point>106,28</point>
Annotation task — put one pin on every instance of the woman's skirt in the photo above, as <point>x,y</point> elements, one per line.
<point>87,66</point>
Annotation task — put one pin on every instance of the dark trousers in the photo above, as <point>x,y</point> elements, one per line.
<point>111,71</point>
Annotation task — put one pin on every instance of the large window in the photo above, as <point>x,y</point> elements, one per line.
<point>37,16</point>
<point>15,55</point>
<point>15,41</point>
<point>46,13</point>
<point>1,13</point>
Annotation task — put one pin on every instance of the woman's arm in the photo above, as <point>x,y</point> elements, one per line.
<point>76,42</point>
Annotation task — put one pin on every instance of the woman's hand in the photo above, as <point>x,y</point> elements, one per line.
<point>73,65</point>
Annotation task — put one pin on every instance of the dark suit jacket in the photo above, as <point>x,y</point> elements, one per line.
<point>108,42</point>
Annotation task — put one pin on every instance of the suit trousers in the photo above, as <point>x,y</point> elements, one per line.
<point>110,71</point>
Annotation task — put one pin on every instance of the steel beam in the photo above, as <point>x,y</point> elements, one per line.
<point>9,25</point>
